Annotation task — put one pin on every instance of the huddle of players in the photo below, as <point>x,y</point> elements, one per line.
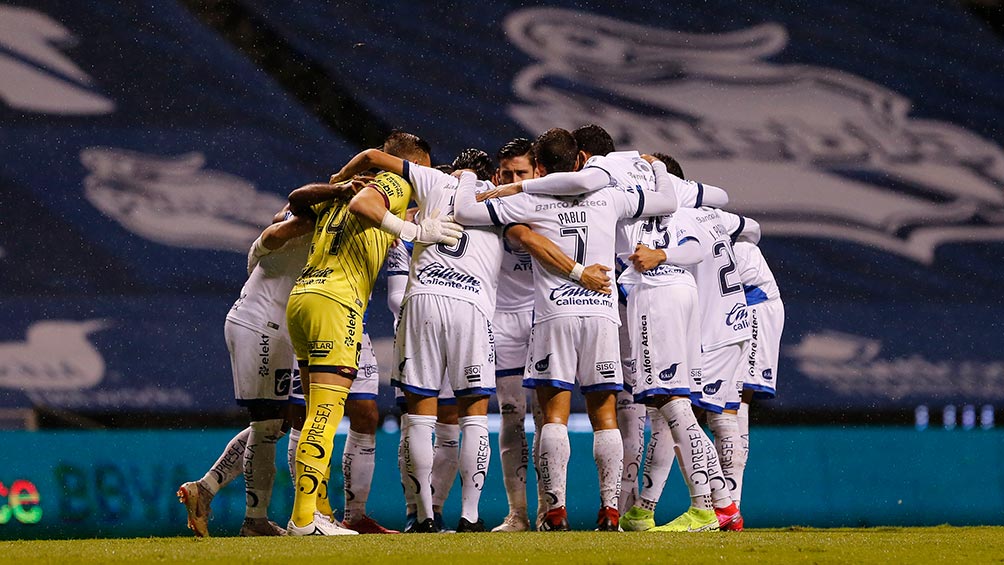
<point>589,204</point>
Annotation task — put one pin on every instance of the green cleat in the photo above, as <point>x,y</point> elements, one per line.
<point>637,520</point>
<point>693,520</point>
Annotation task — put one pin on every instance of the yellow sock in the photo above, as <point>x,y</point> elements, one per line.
<point>323,502</point>
<point>325,407</point>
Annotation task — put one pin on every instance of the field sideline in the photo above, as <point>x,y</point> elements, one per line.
<point>791,545</point>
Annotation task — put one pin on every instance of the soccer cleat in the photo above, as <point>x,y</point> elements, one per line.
<point>637,519</point>
<point>555,520</point>
<point>321,525</point>
<point>729,518</point>
<point>516,521</point>
<point>410,520</point>
<point>367,525</point>
<point>607,519</point>
<point>437,518</point>
<point>465,526</point>
<point>196,499</point>
<point>261,527</point>
<point>693,520</point>
<point>427,526</point>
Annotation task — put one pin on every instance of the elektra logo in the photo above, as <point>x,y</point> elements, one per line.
<point>853,365</point>
<point>729,113</point>
<point>34,75</point>
<point>174,201</point>
<point>55,356</point>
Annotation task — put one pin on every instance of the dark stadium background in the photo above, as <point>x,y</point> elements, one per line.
<point>144,145</point>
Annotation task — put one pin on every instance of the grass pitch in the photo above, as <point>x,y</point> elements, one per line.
<point>792,545</point>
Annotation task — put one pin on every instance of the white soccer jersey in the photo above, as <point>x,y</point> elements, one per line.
<point>660,232</point>
<point>515,290</point>
<point>262,304</point>
<point>724,318</point>
<point>584,228</point>
<point>754,273</point>
<point>626,170</point>
<point>466,271</point>
<point>398,260</point>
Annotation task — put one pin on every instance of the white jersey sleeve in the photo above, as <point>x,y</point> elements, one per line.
<point>756,276</point>
<point>262,303</point>
<point>432,189</point>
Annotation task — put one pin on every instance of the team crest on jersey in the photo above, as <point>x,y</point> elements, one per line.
<point>174,200</point>
<point>855,164</point>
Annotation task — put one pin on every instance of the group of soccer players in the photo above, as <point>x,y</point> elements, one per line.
<point>499,282</point>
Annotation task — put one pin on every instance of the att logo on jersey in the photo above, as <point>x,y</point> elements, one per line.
<point>730,109</point>
<point>737,318</point>
<point>668,374</point>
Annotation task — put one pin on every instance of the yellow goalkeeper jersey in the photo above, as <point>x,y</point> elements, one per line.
<point>345,255</point>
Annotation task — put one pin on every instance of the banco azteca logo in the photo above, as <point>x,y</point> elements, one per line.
<point>853,163</point>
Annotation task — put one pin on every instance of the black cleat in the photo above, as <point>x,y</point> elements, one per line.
<point>427,526</point>
<point>468,527</point>
<point>555,520</point>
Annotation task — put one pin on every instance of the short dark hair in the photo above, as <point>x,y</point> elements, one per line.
<point>405,145</point>
<point>448,169</point>
<point>672,165</point>
<point>475,160</point>
<point>556,150</point>
<point>593,139</point>
<point>516,148</point>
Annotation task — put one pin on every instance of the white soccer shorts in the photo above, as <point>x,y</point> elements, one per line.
<point>441,338</point>
<point>665,327</point>
<point>262,365</point>
<point>569,349</point>
<point>758,369</point>
<point>512,339</point>
<point>721,387</point>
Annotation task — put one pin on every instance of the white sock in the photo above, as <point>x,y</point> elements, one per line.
<point>631,421</point>
<point>358,462</point>
<point>475,453</point>
<point>725,426</point>
<point>554,452</point>
<point>406,485</point>
<point>229,465</point>
<point>608,452</point>
<point>418,456</point>
<point>294,438</point>
<point>689,441</point>
<point>658,461</point>
<point>538,419</point>
<point>721,494</point>
<point>513,450</point>
<point>743,452</point>
<point>259,466</point>
<point>447,462</point>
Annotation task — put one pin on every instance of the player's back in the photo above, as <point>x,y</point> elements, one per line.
<point>465,271</point>
<point>345,254</point>
<point>515,281</point>
<point>627,170</point>
<point>262,303</point>
<point>720,293</point>
<point>755,274</point>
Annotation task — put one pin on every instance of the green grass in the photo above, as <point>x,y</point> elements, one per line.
<point>792,545</point>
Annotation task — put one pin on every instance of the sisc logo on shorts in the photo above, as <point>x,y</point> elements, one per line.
<point>320,348</point>
<point>283,379</point>
<point>712,388</point>
<point>695,376</point>
<point>607,369</point>
<point>729,106</point>
<point>473,373</point>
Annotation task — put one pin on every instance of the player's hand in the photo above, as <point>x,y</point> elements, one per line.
<point>595,278</point>
<point>500,191</point>
<point>649,158</point>
<point>438,229</point>
<point>257,251</point>
<point>645,258</point>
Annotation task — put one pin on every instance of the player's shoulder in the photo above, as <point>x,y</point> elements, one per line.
<point>394,185</point>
